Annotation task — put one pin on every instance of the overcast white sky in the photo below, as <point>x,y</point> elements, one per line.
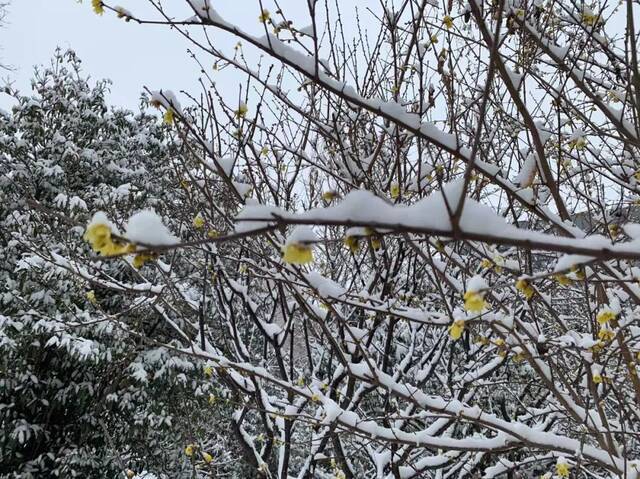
<point>129,54</point>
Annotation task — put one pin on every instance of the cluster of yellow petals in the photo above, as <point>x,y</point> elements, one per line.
<point>456,329</point>
<point>525,288</point>
<point>242,110</point>
<point>605,316</point>
<point>597,378</point>
<point>169,116</point>
<point>264,16</point>
<point>99,236</point>
<point>190,450</point>
<point>91,297</point>
<point>352,243</point>
<point>98,7</point>
<point>448,22</point>
<point>394,190</point>
<point>297,253</point>
<point>198,222</point>
<point>141,259</point>
<point>562,279</point>
<point>562,469</point>
<point>474,301</point>
<point>606,334</point>
<point>207,457</point>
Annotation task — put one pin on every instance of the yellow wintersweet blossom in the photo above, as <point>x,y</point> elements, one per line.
<point>198,222</point>
<point>434,39</point>
<point>394,190</point>
<point>525,288</point>
<point>264,151</point>
<point>242,110</point>
<point>614,231</point>
<point>486,263</point>
<point>213,234</point>
<point>98,7</point>
<point>562,468</point>
<point>589,18</point>
<point>264,16</point>
<point>352,243</point>
<point>456,329</point>
<point>315,397</point>
<point>606,334</point>
<point>562,279</point>
<point>142,258</point>
<point>189,450</point>
<point>329,196</point>
<point>212,398</point>
<point>605,316</point>
<point>597,378</point>
<point>297,253</point>
<point>91,297</point>
<point>98,235</point>
<point>474,301</point>
<point>448,22</point>
<point>207,457</point>
<point>578,143</point>
<point>169,116</point>
<point>208,371</point>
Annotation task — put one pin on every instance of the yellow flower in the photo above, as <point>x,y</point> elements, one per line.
<point>486,263</point>
<point>212,399</point>
<point>207,457</point>
<point>605,316</point>
<point>329,196</point>
<point>597,378</point>
<point>297,253</point>
<point>352,243</point>
<point>300,381</point>
<point>525,288</point>
<point>98,7</point>
<point>315,397</point>
<point>578,143</point>
<point>481,340</point>
<point>91,297</point>
<point>395,190</point>
<point>562,279</point>
<point>208,371</point>
<point>242,110</point>
<point>474,302</point>
<point>562,468</point>
<point>434,38</point>
<point>456,329</point>
<point>264,151</point>
<point>189,450</point>
<point>606,334</point>
<point>448,22</point>
<point>212,234</point>
<point>198,222</point>
<point>614,231</point>
<point>141,259</point>
<point>264,16</point>
<point>589,18</point>
<point>97,235</point>
<point>168,116</point>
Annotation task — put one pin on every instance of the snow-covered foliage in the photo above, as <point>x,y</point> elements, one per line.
<point>89,381</point>
<point>409,251</point>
